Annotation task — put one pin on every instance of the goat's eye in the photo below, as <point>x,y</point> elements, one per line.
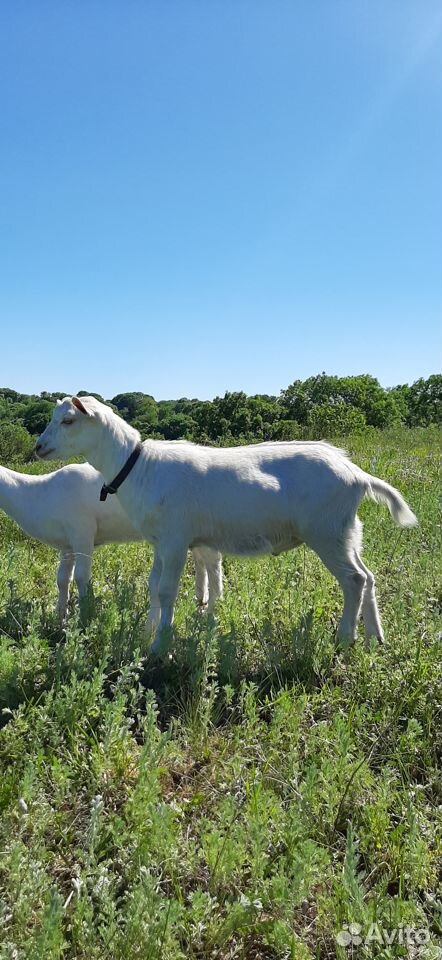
<point>67,423</point>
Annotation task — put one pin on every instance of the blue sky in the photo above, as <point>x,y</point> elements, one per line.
<point>221,195</point>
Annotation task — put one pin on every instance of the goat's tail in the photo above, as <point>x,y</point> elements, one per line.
<point>384,493</point>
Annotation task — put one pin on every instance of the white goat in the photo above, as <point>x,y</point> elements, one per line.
<point>63,509</point>
<point>251,500</point>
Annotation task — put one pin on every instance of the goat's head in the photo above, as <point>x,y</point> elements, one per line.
<point>72,430</point>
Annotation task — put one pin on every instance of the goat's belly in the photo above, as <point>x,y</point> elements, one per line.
<point>53,534</point>
<point>253,545</point>
<point>116,531</point>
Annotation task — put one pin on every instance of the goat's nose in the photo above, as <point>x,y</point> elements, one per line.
<point>38,447</point>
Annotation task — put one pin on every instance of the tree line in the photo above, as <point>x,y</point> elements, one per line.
<point>319,407</point>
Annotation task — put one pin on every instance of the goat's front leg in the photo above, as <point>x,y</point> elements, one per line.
<point>172,560</point>
<point>208,577</point>
<point>64,576</point>
<point>83,563</point>
<point>201,579</point>
<point>153,617</point>
<point>215,577</point>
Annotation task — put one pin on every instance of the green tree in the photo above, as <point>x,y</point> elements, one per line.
<point>53,396</point>
<point>288,430</point>
<point>402,396</point>
<point>133,406</point>
<point>89,393</point>
<point>362,393</point>
<point>425,401</point>
<point>230,416</point>
<point>37,416</point>
<point>176,427</point>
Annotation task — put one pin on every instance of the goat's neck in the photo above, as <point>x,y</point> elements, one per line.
<point>13,499</point>
<point>116,442</point>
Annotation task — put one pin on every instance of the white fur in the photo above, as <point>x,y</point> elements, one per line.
<point>63,509</point>
<point>251,500</point>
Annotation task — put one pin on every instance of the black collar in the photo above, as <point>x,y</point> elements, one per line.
<point>118,480</point>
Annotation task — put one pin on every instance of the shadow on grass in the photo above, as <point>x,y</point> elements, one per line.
<point>207,660</point>
<point>36,655</point>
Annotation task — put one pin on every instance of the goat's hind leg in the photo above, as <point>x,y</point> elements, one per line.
<point>370,612</point>
<point>338,555</point>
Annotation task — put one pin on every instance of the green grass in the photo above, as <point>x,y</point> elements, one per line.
<point>257,794</point>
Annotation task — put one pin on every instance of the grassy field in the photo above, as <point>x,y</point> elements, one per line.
<point>261,792</point>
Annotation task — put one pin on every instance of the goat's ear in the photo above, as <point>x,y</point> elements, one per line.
<point>80,406</point>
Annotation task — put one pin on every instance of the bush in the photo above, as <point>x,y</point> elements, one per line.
<point>334,420</point>
<point>15,443</point>
<point>288,430</point>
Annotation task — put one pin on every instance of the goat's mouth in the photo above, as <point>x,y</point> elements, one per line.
<point>44,454</point>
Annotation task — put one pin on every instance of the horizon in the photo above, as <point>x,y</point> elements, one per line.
<point>109,398</point>
<point>199,200</point>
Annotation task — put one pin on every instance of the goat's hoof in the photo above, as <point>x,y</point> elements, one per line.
<point>159,661</point>
<point>372,640</point>
<point>344,643</point>
<point>155,656</point>
<point>160,651</point>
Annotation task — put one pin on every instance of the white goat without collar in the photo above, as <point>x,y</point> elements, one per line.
<point>63,509</point>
